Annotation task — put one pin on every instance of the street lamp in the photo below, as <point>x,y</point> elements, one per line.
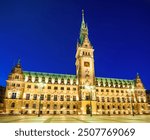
<point>41,85</point>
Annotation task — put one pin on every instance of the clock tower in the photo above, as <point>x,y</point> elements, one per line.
<point>85,69</point>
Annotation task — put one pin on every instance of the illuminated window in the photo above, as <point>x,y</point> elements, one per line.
<point>27,106</point>
<point>48,106</point>
<point>48,97</point>
<point>42,97</point>
<point>28,86</point>
<point>61,106</point>
<point>13,96</point>
<point>49,87</point>
<point>62,88</point>
<point>74,89</point>
<point>36,87</point>
<point>103,99</point>
<point>35,97</point>
<point>55,88</point>
<point>27,96</point>
<point>68,88</point>
<point>74,106</point>
<point>68,97</point>
<point>55,106</point>
<point>18,85</point>
<point>113,99</point>
<point>74,98</point>
<point>107,90</point>
<point>112,91</point>
<point>62,98</point>
<point>55,97</point>
<point>34,106</point>
<point>87,97</point>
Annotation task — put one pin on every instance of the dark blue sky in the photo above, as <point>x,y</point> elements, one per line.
<point>43,33</point>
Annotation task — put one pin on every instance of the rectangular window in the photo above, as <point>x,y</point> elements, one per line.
<point>68,97</point>
<point>18,85</point>
<point>27,96</point>
<point>62,88</point>
<point>48,106</point>
<point>113,99</point>
<point>74,98</point>
<point>36,87</point>
<point>55,97</point>
<point>61,106</point>
<point>117,91</point>
<point>62,98</point>
<point>112,91</point>
<point>55,88</point>
<point>97,90</point>
<point>107,90</point>
<point>34,106</point>
<point>41,106</point>
<point>87,97</point>
<point>42,97</point>
<point>55,106</point>
<point>28,86</point>
<point>102,90</point>
<point>103,99</point>
<point>74,89</point>
<point>35,97</point>
<point>48,97</point>
<point>49,87</point>
<point>68,88</point>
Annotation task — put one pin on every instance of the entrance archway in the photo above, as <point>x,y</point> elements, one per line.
<point>88,110</point>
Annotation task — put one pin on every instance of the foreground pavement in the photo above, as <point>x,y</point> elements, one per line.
<point>74,119</point>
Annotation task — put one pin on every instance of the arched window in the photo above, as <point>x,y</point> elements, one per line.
<point>12,105</point>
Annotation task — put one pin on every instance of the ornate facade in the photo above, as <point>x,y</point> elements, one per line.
<point>30,92</point>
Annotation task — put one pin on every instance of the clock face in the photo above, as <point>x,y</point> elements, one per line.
<point>86,64</point>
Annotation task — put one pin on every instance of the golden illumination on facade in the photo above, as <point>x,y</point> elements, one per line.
<point>47,93</point>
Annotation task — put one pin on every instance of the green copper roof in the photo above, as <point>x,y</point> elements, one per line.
<point>52,75</point>
<point>66,76</point>
<point>115,80</point>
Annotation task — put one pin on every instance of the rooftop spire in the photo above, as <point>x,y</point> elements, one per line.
<point>18,61</point>
<point>83,16</point>
<point>83,30</point>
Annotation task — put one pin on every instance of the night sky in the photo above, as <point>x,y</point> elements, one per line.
<point>44,33</point>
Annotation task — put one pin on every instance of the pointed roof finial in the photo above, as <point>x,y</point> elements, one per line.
<point>82,15</point>
<point>18,61</point>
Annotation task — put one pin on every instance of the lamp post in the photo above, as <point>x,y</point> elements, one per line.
<point>41,85</point>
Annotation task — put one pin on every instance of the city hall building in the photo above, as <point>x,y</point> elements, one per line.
<point>29,92</point>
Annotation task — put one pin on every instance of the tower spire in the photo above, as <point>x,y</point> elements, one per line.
<point>83,29</point>
<point>83,16</point>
